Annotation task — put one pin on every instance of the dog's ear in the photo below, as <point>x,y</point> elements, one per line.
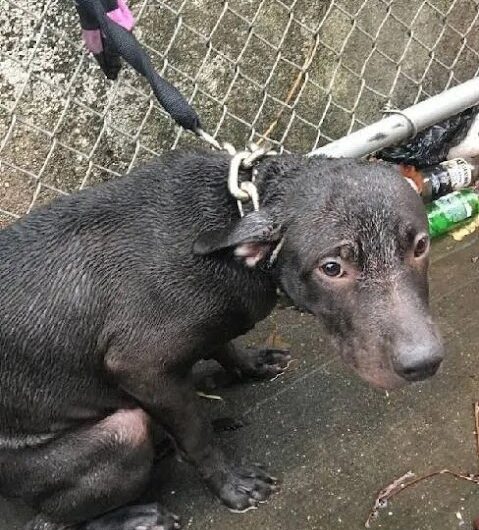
<point>252,238</point>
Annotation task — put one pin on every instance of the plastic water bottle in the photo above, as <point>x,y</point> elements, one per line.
<point>446,213</point>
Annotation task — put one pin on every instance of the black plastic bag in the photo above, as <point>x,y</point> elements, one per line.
<point>431,146</point>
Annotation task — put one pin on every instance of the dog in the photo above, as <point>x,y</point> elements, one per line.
<point>112,294</point>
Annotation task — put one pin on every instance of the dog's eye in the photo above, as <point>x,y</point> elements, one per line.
<point>421,246</point>
<point>332,269</point>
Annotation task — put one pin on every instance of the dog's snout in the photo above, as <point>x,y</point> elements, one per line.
<point>420,363</point>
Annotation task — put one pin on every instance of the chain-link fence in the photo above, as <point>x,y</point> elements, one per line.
<point>301,72</point>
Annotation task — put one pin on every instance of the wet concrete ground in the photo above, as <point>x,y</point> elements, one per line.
<point>335,442</point>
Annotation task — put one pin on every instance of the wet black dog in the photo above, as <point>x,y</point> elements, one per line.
<point>110,296</point>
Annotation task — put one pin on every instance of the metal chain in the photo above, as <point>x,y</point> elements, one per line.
<point>245,191</point>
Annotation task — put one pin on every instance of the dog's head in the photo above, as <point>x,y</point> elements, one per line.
<point>354,253</point>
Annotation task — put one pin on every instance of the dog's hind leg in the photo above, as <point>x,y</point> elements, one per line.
<point>74,480</point>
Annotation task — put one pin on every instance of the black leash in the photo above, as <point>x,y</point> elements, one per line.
<point>107,33</point>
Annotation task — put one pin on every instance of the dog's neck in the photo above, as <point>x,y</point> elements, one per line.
<point>275,177</point>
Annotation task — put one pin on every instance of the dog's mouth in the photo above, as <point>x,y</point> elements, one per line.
<point>381,378</point>
<point>371,365</point>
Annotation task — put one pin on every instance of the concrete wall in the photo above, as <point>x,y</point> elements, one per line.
<point>64,126</point>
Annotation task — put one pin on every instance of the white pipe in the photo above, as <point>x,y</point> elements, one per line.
<point>403,124</point>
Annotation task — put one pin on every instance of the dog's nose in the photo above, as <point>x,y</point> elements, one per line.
<point>420,361</point>
<point>420,370</point>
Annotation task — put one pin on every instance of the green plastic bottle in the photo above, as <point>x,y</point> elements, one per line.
<point>446,213</point>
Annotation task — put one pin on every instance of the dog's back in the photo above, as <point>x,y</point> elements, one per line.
<point>69,270</point>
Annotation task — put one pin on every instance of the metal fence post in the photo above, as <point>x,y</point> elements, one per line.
<point>402,124</point>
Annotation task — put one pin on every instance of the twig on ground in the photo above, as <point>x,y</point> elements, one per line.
<point>402,483</point>
<point>409,479</point>
<point>476,422</point>
<point>209,396</point>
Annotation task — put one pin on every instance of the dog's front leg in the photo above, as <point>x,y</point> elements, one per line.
<point>252,363</point>
<point>171,400</point>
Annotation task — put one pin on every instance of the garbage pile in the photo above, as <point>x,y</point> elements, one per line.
<point>442,165</point>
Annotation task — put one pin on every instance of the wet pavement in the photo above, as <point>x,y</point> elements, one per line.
<point>335,442</point>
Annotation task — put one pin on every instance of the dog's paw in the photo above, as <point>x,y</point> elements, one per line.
<point>243,488</point>
<point>138,517</point>
<point>263,363</point>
